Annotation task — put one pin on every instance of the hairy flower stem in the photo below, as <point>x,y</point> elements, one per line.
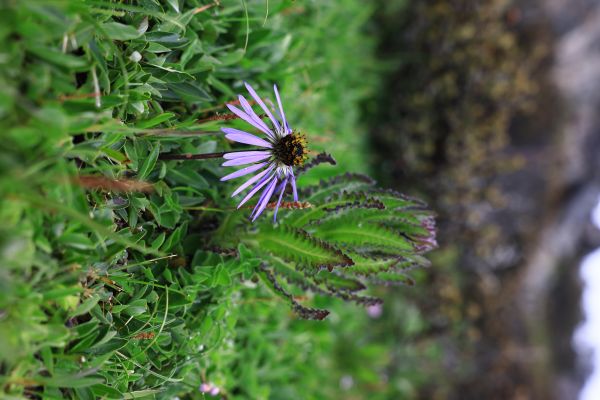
<point>172,132</point>
<point>189,156</point>
<point>224,117</point>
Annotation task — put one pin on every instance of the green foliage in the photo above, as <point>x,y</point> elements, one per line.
<point>299,246</point>
<point>358,233</point>
<point>128,276</point>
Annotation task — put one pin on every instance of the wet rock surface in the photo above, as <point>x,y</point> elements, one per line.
<point>549,287</point>
<point>525,277</point>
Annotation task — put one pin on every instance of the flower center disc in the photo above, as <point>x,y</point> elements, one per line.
<point>291,150</point>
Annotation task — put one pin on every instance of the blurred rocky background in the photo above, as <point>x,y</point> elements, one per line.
<point>489,110</point>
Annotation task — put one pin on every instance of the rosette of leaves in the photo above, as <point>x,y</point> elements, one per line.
<point>347,234</point>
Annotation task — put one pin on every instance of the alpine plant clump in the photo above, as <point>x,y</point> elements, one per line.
<point>353,235</point>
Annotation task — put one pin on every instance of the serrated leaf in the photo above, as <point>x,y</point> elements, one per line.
<point>288,272</point>
<point>318,159</point>
<point>297,245</point>
<point>336,282</point>
<point>302,311</point>
<point>371,265</point>
<point>390,278</point>
<point>396,200</point>
<point>409,228</point>
<point>367,236</point>
<point>348,182</point>
<point>336,203</point>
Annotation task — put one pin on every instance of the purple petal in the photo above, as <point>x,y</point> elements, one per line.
<point>263,195</point>
<point>252,180</point>
<point>241,154</point>
<point>255,189</point>
<point>245,160</point>
<point>260,207</point>
<point>262,105</point>
<point>244,137</point>
<point>282,189</point>
<point>281,113</point>
<point>293,181</point>
<point>243,171</point>
<point>250,112</point>
<point>248,119</point>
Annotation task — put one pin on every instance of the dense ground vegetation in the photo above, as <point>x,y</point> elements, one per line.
<point>128,276</point>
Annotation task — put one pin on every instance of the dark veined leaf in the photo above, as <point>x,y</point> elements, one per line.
<point>297,245</point>
<point>364,235</point>
<point>398,218</point>
<point>337,282</point>
<point>346,182</point>
<point>380,232</point>
<point>365,265</point>
<point>391,278</point>
<point>408,228</point>
<point>302,311</point>
<point>395,200</point>
<point>362,300</point>
<point>336,204</point>
<point>318,159</point>
<point>353,200</point>
<point>331,281</point>
<point>289,273</point>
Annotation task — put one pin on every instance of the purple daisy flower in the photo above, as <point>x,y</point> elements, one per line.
<point>273,162</point>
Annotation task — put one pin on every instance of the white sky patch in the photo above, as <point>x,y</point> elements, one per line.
<point>596,215</point>
<point>587,335</point>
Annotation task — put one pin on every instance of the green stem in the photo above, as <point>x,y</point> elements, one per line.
<point>205,156</point>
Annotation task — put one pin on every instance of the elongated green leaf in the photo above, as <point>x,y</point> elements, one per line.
<point>152,122</point>
<point>107,392</point>
<point>302,311</point>
<point>149,163</point>
<point>72,381</point>
<point>390,278</point>
<point>365,235</point>
<point>56,57</point>
<point>140,394</point>
<point>348,182</point>
<point>338,282</point>
<point>336,203</point>
<point>86,306</point>
<point>365,266</point>
<point>287,270</point>
<point>118,31</point>
<point>395,200</point>
<point>297,245</point>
